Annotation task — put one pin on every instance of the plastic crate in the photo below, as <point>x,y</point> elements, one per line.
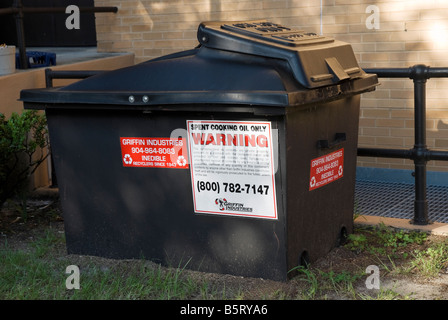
<point>37,59</point>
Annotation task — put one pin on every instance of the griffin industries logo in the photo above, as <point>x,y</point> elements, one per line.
<point>223,204</point>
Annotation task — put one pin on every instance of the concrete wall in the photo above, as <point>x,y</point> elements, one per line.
<point>398,33</point>
<point>12,84</point>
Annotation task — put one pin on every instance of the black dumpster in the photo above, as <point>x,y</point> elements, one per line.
<point>237,156</point>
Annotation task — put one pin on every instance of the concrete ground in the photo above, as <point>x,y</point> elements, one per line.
<point>436,228</point>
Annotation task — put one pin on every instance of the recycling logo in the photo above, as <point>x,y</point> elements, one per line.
<point>127,159</point>
<point>221,202</point>
<point>313,182</point>
<point>181,161</point>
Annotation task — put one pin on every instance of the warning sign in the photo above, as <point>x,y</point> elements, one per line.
<point>154,152</point>
<point>326,169</point>
<point>232,168</point>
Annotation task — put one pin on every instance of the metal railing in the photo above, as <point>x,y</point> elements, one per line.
<point>420,154</point>
<point>67,74</point>
<point>18,10</point>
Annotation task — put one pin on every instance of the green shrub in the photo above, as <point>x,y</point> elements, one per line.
<point>20,137</point>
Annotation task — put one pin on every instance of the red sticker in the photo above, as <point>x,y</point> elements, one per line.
<point>326,169</point>
<point>154,153</point>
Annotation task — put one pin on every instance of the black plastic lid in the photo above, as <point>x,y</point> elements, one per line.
<point>239,63</point>
<point>314,60</point>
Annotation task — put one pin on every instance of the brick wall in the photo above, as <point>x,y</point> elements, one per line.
<point>409,32</point>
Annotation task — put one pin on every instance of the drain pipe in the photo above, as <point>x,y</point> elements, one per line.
<point>420,153</point>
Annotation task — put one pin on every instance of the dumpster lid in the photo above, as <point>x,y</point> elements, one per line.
<point>256,63</point>
<point>314,60</point>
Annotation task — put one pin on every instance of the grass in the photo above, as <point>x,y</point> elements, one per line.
<point>396,252</point>
<point>37,271</point>
<point>432,261</point>
<point>27,274</point>
<point>401,251</point>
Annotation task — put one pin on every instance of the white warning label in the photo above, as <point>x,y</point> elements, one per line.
<point>232,170</point>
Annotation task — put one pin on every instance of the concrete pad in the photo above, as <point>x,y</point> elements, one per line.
<point>435,228</point>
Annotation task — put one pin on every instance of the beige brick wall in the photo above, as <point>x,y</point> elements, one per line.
<point>410,32</point>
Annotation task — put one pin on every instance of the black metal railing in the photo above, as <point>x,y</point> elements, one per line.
<point>18,10</point>
<point>67,74</point>
<point>420,154</point>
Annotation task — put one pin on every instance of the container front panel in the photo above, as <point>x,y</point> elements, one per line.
<point>119,207</point>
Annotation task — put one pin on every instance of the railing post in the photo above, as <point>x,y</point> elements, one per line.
<point>419,74</point>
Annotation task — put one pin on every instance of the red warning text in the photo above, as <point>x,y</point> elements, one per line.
<point>326,169</point>
<point>221,139</point>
